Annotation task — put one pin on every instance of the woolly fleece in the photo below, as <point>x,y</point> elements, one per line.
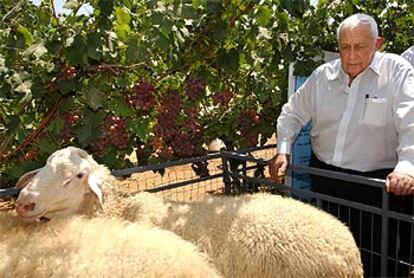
<point>258,235</point>
<point>78,247</point>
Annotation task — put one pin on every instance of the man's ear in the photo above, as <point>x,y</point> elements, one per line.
<point>95,185</point>
<point>379,42</point>
<point>26,178</point>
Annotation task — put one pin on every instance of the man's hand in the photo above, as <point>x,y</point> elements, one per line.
<point>277,167</point>
<point>399,183</point>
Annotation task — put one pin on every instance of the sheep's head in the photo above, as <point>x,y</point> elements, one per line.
<point>59,188</point>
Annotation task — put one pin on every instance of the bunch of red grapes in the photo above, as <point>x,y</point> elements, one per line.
<point>168,111</point>
<point>247,124</point>
<point>142,97</point>
<point>194,87</point>
<point>112,131</point>
<point>222,98</point>
<point>176,136</point>
<point>70,120</point>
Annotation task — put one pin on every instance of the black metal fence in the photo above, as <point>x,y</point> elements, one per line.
<point>246,172</point>
<point>385,237</point>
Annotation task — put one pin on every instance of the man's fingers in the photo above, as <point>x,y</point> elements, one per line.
<point>399,184</point>
<point>282,168</point>
<point>277,167</point>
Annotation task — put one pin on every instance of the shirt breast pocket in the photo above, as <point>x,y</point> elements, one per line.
<point>374,112</point>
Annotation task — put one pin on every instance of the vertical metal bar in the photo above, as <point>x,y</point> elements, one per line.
<point>244,185</point>
<point>360,228</point>
<point>411,255</point>
<point>397,249</point>
<point>319,202</point>
<point>371,244</point>
<point>384,234</point>
<point>226,177</point>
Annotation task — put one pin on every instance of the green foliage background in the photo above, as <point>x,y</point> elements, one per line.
<point>52,65</point>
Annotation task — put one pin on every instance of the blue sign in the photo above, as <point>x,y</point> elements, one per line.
<point>301,149</point>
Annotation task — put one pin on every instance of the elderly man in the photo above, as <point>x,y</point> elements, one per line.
<point>409,55</point>
<point>361,107</point>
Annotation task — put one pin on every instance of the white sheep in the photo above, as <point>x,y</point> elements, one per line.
<point>100,247</point>
<point>258,235</point>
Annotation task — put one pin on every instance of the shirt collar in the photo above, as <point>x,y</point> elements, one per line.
<point>375,65</point>
<point>336,70</point>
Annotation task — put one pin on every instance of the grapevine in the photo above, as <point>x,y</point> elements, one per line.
<point>163,80</point>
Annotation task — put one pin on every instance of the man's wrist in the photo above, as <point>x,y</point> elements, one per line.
<point>283,147</point>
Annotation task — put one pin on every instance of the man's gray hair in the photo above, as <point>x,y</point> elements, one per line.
<point>356,20</point>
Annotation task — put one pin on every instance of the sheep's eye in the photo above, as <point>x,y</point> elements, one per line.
<point>80,175</point>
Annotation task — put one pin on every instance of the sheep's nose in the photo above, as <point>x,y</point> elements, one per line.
<point>21,208</point>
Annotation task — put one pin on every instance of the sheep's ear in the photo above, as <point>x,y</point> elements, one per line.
<point>26,178</point>
<point>95,185</point>
<point>82,153</point>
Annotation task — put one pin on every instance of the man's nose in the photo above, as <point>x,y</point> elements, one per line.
<point>352,52</point>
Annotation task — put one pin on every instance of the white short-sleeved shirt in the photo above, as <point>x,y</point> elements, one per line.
<point>366,126</point>
<point>409,55</point>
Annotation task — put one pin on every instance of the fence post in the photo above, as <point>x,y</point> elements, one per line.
<point>226,177</point>
<point>244,185</point>
<point>384,234</point>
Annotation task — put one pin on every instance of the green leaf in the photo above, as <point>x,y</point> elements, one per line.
<point>89,128</point>
<point>219,32</point>
<point>44,16</point>
<point>94,98</point>
<point>263,16</point>
<point>53,46</point>
<point>75,52</point>
<point>287,5</point>
<point>195,4</point>
<point>47,146</point>
<point>157,19</point>
<point>214,6</point>
<point>106,7</point>
<point>122,31</point>
<point>131,54</point>
<point>122,17</point>
<point>71,4</point>
<point>162,42</point>
<point>188,12</point>
<point>120,107</point>
<point>229,61</point>
<point>142,128</point>
<point>68,85</point>
<point>57,125</point>
<point>25,34</point>
<point>94,45</point>
<point>109,157</point>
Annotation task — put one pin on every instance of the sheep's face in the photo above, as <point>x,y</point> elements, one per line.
<point>57,189</point>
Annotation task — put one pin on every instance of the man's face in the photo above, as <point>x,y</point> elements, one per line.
<point>357,48</point>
